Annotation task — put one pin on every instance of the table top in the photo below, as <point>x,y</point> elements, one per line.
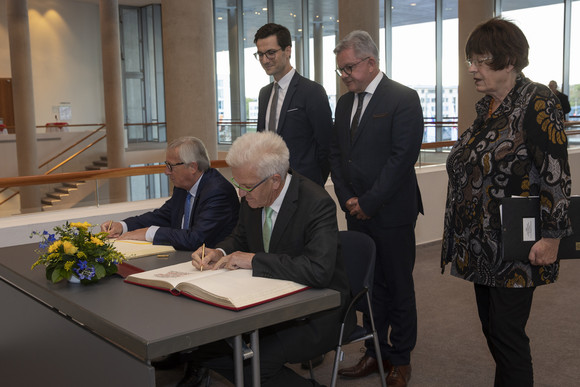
<point>145,322</point>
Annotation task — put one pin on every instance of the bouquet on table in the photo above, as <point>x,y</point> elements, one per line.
<point>74,253</point>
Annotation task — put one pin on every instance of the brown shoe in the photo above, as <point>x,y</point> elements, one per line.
<point>365,366</point>
<point>399,376</point>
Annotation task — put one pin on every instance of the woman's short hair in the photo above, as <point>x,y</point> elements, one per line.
<point>265,152</point>
<point>191,150</point>
<point>361,43</point>
<point>503,40</point>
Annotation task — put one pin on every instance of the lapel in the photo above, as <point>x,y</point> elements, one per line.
<point>292,86</point>
<point>287,211</point>
<point>371,107</point>
<point>263,99</point>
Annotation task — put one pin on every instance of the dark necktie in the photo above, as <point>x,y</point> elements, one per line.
<point>187,211</point>
<point>356,118</point>
<point>273,109</point>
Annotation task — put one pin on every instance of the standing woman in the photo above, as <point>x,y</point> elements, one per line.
<point>515,146</point>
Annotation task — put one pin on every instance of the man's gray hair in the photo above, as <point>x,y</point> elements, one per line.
<point>362,44</point>
<point>266,152</point>
<point>191,150</point>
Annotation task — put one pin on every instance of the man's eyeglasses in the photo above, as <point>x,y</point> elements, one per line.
<point>270,54</point>
<point>347,70</point>
<point>251,188</point>
<point>477,62</point>
<point>170,166</point>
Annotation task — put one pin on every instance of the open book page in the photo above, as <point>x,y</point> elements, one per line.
<point>238,288</point>
<point>169,277</point>
<point>136,249</point>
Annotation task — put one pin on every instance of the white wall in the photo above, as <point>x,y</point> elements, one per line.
<point>66,58</point>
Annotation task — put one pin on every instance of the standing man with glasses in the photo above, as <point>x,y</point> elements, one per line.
<point>293,106</point>
<point>376,142</point>
<point>287,230</point>
<point>202,209</point>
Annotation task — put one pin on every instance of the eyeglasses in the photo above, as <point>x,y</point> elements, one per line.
<point>270,54</point>
<point>347,70</point>
<point>170,166</point>
<point>477,62</point>
<point>248,190</point>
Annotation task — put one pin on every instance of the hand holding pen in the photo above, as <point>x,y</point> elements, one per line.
<point>204,258</point>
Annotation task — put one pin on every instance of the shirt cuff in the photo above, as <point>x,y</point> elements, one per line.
<point>150,234</point>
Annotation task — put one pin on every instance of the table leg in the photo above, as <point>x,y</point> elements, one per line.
<point>254,339</point>
<point>238,361</point>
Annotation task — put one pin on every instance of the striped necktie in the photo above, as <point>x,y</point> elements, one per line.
<point>273,109</point>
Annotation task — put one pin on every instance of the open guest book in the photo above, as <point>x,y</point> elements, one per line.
<point>136,249</point>
<point>230,289</point>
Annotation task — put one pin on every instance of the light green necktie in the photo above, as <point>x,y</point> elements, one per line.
<point>267,228</point>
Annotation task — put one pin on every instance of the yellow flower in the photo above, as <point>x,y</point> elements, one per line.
<point>69,247</point>
<point>97,241</point>
<point>69,265</point>
<point>54,246</point>
<point>84,225</point>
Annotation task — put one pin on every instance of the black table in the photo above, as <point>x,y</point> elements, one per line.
<point>108,333</point>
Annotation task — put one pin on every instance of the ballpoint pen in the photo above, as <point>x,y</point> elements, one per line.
<point>202,257</point>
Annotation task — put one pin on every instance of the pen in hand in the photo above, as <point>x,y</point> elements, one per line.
<point>202,257</point>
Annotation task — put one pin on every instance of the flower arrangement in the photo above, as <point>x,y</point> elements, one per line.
<point>74,251</point>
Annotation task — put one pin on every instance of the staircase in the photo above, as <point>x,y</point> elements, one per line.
<point>69,194</point>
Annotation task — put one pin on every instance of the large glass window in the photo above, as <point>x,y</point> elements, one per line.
<point>546,43</point>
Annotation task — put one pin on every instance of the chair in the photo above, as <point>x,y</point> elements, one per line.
<point>359,253</point>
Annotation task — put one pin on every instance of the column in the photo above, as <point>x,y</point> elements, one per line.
<point>23,96</point>
<point>318,54</point>
<point>470,13</point>
<point>358,15</point>
<point>113,91</point>
<point>236,53</point>
<point>188,45</point>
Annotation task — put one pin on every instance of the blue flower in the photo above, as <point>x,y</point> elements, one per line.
<point>84,271</point>
<point>100,259</point>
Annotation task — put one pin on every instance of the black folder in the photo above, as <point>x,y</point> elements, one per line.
<point>520,217</point>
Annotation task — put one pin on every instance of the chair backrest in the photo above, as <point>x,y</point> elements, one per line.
<point>358,252</point>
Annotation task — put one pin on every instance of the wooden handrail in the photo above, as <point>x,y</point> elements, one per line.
<point>73,156</point>
<point>73,145</point>
<point>21,181</point>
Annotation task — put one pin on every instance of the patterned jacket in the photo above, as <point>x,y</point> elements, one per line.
<point>521,150</point>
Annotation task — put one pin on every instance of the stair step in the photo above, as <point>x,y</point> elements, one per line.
<point>49,201</point>
<point>65,190</point>
<point>100,163</point>
<point>57,195</point>
<point>72,184</point>
<point>93,168</point>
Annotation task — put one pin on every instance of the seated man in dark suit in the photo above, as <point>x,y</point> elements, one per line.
<point>302,247</point>
<point>211,201</point>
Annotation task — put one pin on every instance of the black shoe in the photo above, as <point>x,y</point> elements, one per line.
<point>195,376</point>
<point>305,365</point>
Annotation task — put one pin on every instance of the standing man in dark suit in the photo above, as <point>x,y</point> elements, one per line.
<point>553,85</point>
<point>302,247</point>
<point>203,208</point>
<point>377,138</point>
<point>293,106</point>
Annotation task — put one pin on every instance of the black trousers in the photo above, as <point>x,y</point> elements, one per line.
<point>504,313</point>
<point>393,301</point>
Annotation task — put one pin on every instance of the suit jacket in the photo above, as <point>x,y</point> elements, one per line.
<point>304,248</point>
<point>305,124</point>
<point>378,166</point>
<point>214,215</point>
<point>564,102</point>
